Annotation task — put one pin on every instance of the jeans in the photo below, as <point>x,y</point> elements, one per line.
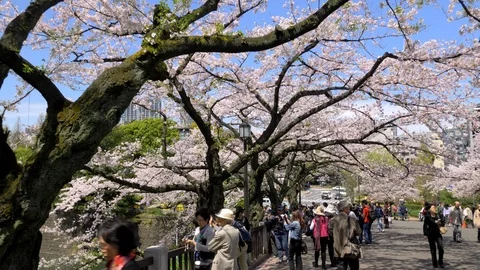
<point>295,250</point>
<point>367,232</point>
<point>281,241</point>
<point>353,264</point>
<point>457,232</point>
<point>433,250</point>
<point>380,224</point>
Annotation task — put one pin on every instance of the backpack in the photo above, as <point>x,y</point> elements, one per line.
<point>244,236</point>
<point>372,215</point>
<point>378,212</point>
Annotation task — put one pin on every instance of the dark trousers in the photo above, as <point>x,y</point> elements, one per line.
<point>295,249</point>
<point>331,251</point>
<point>323,250</point>
<point>436,242</point>
<point>343,264</point>
<point>478,235</point>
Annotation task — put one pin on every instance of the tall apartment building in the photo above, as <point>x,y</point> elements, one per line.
<point>135,112</point>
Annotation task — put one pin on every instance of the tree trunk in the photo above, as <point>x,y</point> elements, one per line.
<point>212,197</point>
<point>68,140</point>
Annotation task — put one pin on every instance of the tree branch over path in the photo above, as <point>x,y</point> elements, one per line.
<point>145,188</point>
<point>166,49</point>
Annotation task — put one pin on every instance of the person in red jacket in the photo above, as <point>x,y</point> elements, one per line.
<point>367,223</point>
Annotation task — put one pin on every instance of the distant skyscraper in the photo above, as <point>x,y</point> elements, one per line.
<point>135,112</point>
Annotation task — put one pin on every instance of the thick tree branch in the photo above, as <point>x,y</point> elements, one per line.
<point>166,49</point>
<point>33,76</point>
<point>145,188</point>
<point>467,11</point>
<point>19,28</point>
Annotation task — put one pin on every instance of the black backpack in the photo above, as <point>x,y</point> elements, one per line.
<point>371,215</point>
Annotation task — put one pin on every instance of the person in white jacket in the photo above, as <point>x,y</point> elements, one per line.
<point>476,221</point>
<point>468,216</point>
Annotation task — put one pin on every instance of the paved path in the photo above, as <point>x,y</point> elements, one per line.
<point>402,247</point>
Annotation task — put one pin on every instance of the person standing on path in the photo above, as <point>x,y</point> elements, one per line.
<point>205,233</point>
<point>319,226</point>
<point>281,236</point>
<point>343,228</point>
<point>476,221</point>
<point>225,242</point>
<point>367,223</point>
<point>330,213</point>
<point>295,228</point>
<point>456,218</point>
<point>431,230</point>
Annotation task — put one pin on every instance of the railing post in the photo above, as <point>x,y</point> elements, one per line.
<point>160,257</point>
<point>266,238</point>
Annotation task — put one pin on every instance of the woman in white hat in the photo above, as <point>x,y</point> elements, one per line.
<point>225,242</point>
<point>319,226</point>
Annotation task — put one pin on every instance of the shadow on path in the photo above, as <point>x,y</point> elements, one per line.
<point>403,247</point>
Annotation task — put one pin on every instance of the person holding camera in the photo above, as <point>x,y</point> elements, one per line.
<point>281,235</point>
<point>203,234</point>
<point>431,230</point>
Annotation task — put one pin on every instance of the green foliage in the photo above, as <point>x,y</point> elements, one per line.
<point>128,206</point>
<point>23,154</point>
<point>424,156</point>
<point>382,157</point>
<point>148,132</point>
<point>446,197</point>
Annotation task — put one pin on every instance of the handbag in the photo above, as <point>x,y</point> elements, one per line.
<point>351,250</point>
<point>443,229</point>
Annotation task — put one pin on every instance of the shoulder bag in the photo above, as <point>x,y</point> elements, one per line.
<point>351,250</point>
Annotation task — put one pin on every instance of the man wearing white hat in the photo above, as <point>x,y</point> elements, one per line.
<point>225,242</point>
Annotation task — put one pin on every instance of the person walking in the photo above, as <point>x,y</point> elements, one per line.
<point>379,215</point>
<point>343,227</point>
<point>225,242</point>
<point>446,214</point>
<point>118,240</point>
<point>319,226</point>
<point>476,221</point>
<point>295,233</point>
<point>431,231</point>
<point>387,214</point>
<point>468,216</point>
<point>203,235</point>
<point>456,218</point>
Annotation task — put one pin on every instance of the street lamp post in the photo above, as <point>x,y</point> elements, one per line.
<point>245,133</point>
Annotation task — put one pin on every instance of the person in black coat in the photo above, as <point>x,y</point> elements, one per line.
<point>431,230</point>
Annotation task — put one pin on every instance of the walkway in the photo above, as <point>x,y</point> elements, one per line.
<point>402,247</point>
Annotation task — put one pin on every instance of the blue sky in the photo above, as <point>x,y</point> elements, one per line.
<point>437,27</point>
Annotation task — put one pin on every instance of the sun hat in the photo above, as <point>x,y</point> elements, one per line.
<point>226,214</point>
<point>342,205</point>
<point>319,211</point>
<point>330,209</point>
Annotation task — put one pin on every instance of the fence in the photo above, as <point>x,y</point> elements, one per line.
<point>160,258</point>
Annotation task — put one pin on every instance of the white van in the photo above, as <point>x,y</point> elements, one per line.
<point>338,189</point>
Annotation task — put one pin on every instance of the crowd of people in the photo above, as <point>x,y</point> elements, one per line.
<point>222,241</point>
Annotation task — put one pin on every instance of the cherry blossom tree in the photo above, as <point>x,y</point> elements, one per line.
<point>314,63</point>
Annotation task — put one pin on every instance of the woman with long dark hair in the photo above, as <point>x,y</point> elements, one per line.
<point>432,232</point>
<point>295,228</point>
